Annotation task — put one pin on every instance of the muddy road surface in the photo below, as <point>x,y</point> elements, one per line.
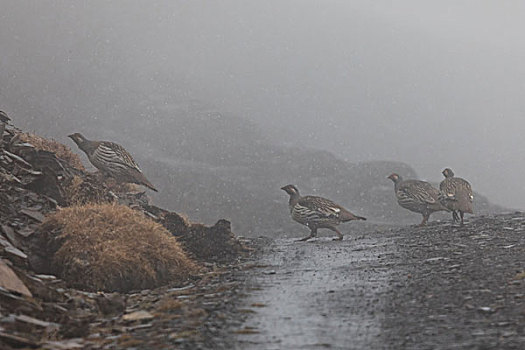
<point>319,294</point>
<point>440,287</point>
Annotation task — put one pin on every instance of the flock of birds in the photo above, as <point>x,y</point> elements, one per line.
<point>454,193</point>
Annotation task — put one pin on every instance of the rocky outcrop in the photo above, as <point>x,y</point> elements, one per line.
<point>39,263</point>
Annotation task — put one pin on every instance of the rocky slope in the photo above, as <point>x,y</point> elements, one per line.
<point>39,308</point>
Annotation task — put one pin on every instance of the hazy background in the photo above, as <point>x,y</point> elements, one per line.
<point>432,85</point>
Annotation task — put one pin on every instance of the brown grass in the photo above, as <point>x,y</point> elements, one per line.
<point>62,151</point>
<point>114,248</point>
<point>94,189</point>
<point>80,191</point>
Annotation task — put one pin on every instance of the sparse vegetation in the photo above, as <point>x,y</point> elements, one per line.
<point>114,248</point>
<point>78,191</point>
<point>93,189</point>
<point>62,151</point>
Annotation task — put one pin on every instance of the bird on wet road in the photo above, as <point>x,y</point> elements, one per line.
<point>417,196</point>
<point>456,194</point>
<point>317,212</point>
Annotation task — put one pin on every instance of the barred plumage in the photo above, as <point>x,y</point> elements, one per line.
<point>456,194</point>
<point>317,212</point>
<point>417,196</point>
<point>112,159</point>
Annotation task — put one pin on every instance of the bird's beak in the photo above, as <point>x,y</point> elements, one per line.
<point>70,136</point>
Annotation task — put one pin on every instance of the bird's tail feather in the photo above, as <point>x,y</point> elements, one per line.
<point>141,180</point>
<point>347,216</point>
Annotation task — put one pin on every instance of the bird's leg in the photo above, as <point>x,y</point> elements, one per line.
<point>313,233</point>
<point>455,217</point>
<point>461,214</point>
<point>339,234</point>
<point>425,219</point>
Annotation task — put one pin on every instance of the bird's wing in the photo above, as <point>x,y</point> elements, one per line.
<point>447,189</point>
<point>419,191</point>
<point>467,187</point>
<point>114,153</point>
<point>322,207</point>
<point>450,188</point>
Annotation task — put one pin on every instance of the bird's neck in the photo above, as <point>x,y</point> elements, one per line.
<point>87,146</point>
<point>397,183</point>
<point>294,198</point>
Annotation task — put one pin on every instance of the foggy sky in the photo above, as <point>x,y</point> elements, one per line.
<point>434,85</point>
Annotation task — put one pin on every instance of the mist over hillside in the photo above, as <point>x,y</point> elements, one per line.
<point>224,103</point>
<point>211,165</point>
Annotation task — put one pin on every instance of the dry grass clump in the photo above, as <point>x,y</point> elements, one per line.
<point>80,190</point>
<point>114,248</point>
<point>91,188</point>
<point>62,151</point>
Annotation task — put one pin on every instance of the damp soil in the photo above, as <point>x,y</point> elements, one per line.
<point>438,287</point>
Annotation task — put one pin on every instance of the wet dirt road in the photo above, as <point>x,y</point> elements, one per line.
<point>319,294</point>
<point>438,287</point>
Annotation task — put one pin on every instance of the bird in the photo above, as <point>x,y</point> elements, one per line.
<point>417,196</point>
<point>112,160</point>
<point>456,194</point>
<point>317,212</point>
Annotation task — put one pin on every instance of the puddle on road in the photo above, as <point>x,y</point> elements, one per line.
<point>318,295</point>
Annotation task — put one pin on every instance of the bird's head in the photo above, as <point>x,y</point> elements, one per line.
<point>77,138</point>
<point>291,190</point>
<point>394,177</point>
<point>447,173</point>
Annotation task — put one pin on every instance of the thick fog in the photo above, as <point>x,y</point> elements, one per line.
<point>434,85</point>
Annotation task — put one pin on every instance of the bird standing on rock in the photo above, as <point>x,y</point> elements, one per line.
<point>112,160</point>
<point>317,212</point>
<point>417,196</point>
<point>456,194</point>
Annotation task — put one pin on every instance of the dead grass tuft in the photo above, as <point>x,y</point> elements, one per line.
<point>114,248</point>
<point>91,188</point>
<point>80,191</point>
<point>62,151</point>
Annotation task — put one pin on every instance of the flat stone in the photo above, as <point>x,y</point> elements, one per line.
<point>33,214</point>
<point>141,315</point>
<point>10,234</point>
<point>10,281</point>
<point>15,251</point>
<point>63,345</point>
<point>46,277</point>
<point>35,322</point>
<point>4,242</point>
<point>16,341</point>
